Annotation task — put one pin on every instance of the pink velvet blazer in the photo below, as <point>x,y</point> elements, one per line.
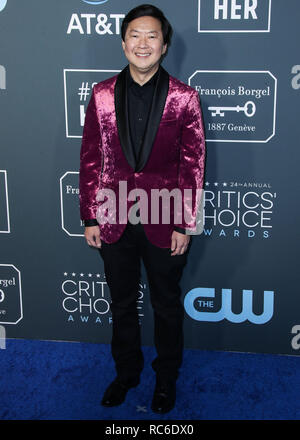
<point>172,156</point>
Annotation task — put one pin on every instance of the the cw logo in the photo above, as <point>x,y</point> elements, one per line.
<point>226,308</point>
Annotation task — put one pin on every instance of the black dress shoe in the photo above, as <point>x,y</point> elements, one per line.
<point>116,392</point>
<point>164,396</point>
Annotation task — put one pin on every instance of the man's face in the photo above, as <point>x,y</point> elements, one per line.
<point>144,45</point>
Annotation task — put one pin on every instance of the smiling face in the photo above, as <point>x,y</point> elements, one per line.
<point>144,45</point>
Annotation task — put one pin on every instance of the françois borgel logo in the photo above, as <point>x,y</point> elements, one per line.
<point>199,305</point>
<point>234,15</point>
<point>4,208</point>
<point>11,309</point>
<point>238,105</point>
<point>78,85</point>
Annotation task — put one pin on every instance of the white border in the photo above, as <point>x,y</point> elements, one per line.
<point>7,206</point>
<point>62,205</point>
<point>245,71</point>
<point>65,94</point>
<point>234,31</point>
<point>20,293</point>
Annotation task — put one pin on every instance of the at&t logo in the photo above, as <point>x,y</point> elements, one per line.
<point>202,296</point>
<point>101,24</point>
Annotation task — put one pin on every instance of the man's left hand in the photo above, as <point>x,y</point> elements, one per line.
<point>179,243</point>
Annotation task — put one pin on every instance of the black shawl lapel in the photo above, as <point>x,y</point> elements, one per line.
<point>155,115</point>
<point>121,107</point>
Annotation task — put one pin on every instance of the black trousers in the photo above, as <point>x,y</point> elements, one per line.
<point>122,270</point>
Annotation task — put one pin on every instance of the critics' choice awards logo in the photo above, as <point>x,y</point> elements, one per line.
<point>88,23</point>
<point>86,298</point>
<point>201,304</point>
<point>4,208</point>
<point>238,106</point>
<point>234,15</point>
<point>238,209</point>
<point>11,309</point>
<point>78,85</point>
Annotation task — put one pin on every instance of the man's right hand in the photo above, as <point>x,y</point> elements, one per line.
<point>92,236</point>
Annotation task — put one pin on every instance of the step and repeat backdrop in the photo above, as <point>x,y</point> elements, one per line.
<point>240,289</point>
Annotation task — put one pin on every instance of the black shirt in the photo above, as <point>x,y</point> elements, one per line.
<point>139,104</point>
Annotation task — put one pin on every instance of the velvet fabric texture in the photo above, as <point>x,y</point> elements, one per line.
<point>172,157</point>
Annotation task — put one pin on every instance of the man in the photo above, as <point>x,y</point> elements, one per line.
<point>143,128</point>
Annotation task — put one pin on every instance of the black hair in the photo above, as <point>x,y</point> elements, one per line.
<point>151,11</point>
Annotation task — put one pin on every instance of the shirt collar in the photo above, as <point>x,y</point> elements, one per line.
<point>152,80</point>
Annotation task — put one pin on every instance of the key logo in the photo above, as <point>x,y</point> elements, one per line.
<point>203,297</point>
<point>249,109</point>
<point>234,15</point>
<point>238,106</point>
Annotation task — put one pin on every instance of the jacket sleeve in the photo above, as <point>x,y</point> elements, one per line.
<point>192,166</point>
<point>91,162</point>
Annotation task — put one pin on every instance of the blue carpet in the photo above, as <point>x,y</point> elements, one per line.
<point>43,380</point>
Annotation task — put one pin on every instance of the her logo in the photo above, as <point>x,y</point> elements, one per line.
<point>234,15</point>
